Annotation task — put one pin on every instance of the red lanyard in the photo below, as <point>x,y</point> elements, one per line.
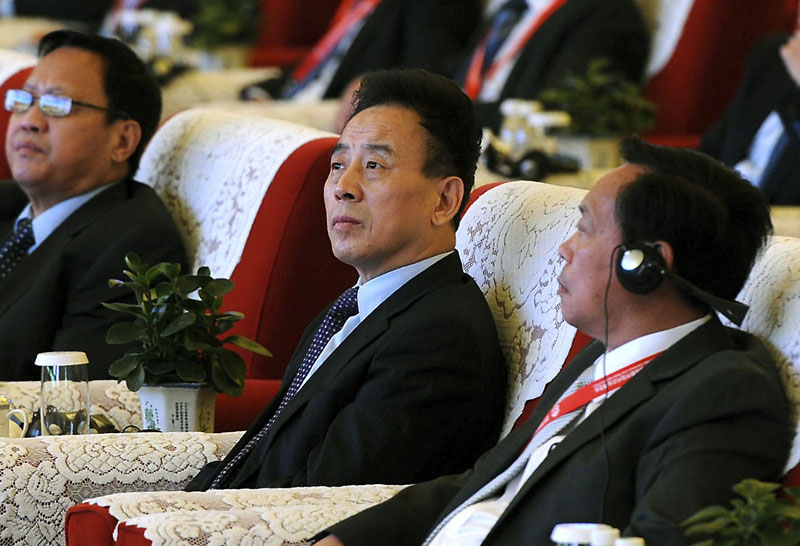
<point>339,30</point>
<point>593,390</point>
<point>475,78</point>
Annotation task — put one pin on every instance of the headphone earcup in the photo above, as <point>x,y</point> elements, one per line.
<point>640,268</point>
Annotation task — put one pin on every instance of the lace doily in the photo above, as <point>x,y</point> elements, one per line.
<point>40,478</point>
<point>244,516</point>
<point>508,241</point>
<point>773,293</point>
<point>212,169</point>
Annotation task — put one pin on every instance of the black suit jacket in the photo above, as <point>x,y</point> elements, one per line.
<point>429,34</point>
<point>51,300</point>
<point>416,389</point>
<point>766,86</point>
<point>706,413</point>
<point>579,31</point>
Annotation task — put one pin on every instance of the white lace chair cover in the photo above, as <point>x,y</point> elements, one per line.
<point>773,293</point>
<point>107,397</point>
<point>40,478</point>
<point>212,169</point>
<point>244,516</point>
<point>508,241</point>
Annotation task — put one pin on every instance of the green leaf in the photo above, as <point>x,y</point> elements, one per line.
<point>163,291</point>
<point>189,370</point>
<point>204,271</point>
<point>232,316</point>
<point>128,308</point>
<point>187,284</point>
<point>133,261</point>
<point>218,287</point>
<point>161,367</point>
<point>123,366</point>
<point>125,332</point>
<point>181,322</point>
<point>135,380</point>
<point>248,344</point>
<point>223,383</point>
<point>233,365</point>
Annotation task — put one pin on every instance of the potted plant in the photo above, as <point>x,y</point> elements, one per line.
<point>178,325</point>
<point>759,518</point>
<point>603,107</point>
<point>224,31</point>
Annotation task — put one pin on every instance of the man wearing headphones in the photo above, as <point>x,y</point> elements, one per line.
<point>663,412</point>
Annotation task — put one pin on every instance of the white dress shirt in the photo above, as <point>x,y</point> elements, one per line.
<point>471,526</point>
<point>370,295</point>
<point>761,149</point>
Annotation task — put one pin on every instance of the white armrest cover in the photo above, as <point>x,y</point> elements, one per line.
<point>40,478</point>
<point>242,516</point>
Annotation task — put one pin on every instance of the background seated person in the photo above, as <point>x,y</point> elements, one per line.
<point>684,407</point>
<point>373,34</point>
<point>759,133</point>
<point>73,211</point>
<point>402,377</point>
<point>527,46</point>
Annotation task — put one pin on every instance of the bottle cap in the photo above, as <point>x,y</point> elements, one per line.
<point>604,537</point>
<point>629,541</point>
<point>61,358</point>
<point>575,533</point>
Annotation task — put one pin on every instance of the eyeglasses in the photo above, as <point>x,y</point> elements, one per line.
<point>19,101</point>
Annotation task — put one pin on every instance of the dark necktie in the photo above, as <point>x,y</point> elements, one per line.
<point>15,248</point>
<point>343,308</point>
<point>503,23</point>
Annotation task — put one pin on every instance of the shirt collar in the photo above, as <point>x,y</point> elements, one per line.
<point>643,347</point>
<point>48,221</point>
<point>375,291</point>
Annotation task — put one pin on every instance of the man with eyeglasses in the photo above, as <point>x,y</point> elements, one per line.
<point>78,128</point>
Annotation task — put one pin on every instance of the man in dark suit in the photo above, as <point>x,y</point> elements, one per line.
<point>76,133</point>
<point>759,132</point>
<point>680,407</point>
<point>375,34</point>
<point>547,40</point>
<point>402,377</point>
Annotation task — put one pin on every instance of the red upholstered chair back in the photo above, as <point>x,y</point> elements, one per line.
<point>708,60</point>
<point>16,80</point>
<point>246,193</point>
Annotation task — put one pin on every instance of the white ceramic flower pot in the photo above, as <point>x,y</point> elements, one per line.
<point>178,407</point>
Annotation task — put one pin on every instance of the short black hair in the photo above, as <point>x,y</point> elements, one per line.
<point>715,221</point>
<point>446,112</point>
<point>130,85</point>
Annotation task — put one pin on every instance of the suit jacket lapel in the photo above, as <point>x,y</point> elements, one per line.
<point>684,354</point>
<point>22,278</point>
<point>446,271</point>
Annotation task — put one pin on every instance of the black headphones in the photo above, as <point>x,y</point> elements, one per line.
<point>641,269</point>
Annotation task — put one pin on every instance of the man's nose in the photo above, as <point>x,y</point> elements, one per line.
<point>348,186</point>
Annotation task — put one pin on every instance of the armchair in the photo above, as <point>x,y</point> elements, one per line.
<point>508,240</point>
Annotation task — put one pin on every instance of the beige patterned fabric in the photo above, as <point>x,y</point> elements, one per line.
<point>773,293</point>
<point>212,169</point>
<point>107,397</point>
<point>508,241</point>
<point>40,478</point>
<point>236,516</point>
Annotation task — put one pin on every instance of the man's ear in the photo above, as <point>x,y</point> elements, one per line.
<point>126,138</point>
<point>665,249</point>
<point>451,192</point>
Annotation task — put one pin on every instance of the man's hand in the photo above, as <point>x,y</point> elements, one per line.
<point>790,52</point>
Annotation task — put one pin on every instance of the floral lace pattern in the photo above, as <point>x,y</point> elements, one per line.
<point>212,169</point>
<point>508,241</point>
<point>773,293</point>
<point>243,516</point>
<point>40,478</point>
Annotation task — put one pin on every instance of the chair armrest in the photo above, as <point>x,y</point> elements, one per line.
<point>237,516</point>
<point>40,478</point>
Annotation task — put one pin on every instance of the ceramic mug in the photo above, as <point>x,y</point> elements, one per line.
<point>6,429</point>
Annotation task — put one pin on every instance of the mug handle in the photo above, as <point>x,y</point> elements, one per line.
<point>24,420</point>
